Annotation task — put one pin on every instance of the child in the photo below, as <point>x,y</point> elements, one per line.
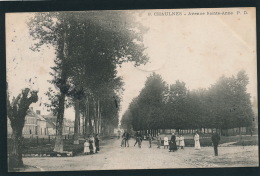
<point>178,141</point>
<point>86,147</point>
<point>182,144</point>
<point>166,142</point>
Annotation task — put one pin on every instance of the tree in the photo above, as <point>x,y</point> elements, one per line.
<point>145,111</point>
<point>16,111</point>
<point>224,105</point>
<point>80,35</point>
<point>176,112</point>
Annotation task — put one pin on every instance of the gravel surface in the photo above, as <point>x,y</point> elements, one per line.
<point>112,156</point>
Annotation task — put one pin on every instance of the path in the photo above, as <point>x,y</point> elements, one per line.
<point>112,156</point>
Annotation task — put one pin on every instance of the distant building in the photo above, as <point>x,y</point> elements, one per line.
<point>37,124</point>
<point>34,124</point>
<point>68,125</point>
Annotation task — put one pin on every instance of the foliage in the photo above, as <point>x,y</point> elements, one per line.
<point>89,47</point>
<point>224,105</point>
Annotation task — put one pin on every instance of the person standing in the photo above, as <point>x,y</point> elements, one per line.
<point>118,134</point>
<point>150,138</point>
<point>91,145</point>
<point>136,140</point>
<point>86,147</point>
<point>127,137</point>
<point>197,141</point>
<point>182,144</point>
<point>158,138</point>
<point>139,139</point>
<point>97,142</point>
<point>165,142</point>
<point>178,141</point>
<point>173,146</point>
<point>215,140</point>
<point>123,140</point>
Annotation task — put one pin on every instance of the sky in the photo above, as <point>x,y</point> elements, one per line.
<point>195,49</point>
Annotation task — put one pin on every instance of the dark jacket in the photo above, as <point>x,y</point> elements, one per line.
<point>215,138</point>
<point>126,135</point>
<point>173,138</point>
<point>173,145</point>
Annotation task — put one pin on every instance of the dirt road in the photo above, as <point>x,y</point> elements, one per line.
<point>112,156</point>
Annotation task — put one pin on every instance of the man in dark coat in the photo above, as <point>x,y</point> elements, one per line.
<point>136,141</point>
<point>215,140</point>
<point>126,137</point>
<point>97,143</point>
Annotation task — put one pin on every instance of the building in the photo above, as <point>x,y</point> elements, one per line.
<point>41,125</point>
<point>34,124</point>
<point>68,125</point>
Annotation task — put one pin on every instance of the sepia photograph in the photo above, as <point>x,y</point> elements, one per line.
<point>131,89</point>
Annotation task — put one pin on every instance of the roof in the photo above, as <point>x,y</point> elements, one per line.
<point>50,124</point>
<point>50,118</point>
<point>68,123</point>
<point>31,113</point>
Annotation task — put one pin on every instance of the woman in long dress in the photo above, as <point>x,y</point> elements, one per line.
<point>94,145</point>
<point>173,146</point>
<point>91,145</point>
<point>197,141</point>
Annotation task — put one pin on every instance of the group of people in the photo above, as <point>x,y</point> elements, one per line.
<point>173,144</point>
<point>91,145</point>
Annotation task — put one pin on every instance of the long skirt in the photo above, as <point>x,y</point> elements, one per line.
<point>182,144</point>
<point>86,149</point>
<point>197,145</point>
<point>173,145</point>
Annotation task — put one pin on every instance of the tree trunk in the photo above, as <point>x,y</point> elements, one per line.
<point>86,122</point>
<point>98,117</point>
<point>15,154</point>
<point>89,118</point>
<point>95,117</point>
<point>76,124</point>
<point>83,123</point>
<point>59,141</point>
<point>63,89</point>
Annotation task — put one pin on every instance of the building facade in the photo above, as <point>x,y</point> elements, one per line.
<point>36,124</point>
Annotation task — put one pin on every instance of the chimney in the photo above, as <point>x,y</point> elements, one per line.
<point>38,112</point>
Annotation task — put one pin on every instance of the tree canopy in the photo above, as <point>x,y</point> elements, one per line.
<point>224,105</point>
<point>89,47</point>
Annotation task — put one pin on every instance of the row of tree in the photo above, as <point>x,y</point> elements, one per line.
<point>224,105</point>
<point>89,47</point>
